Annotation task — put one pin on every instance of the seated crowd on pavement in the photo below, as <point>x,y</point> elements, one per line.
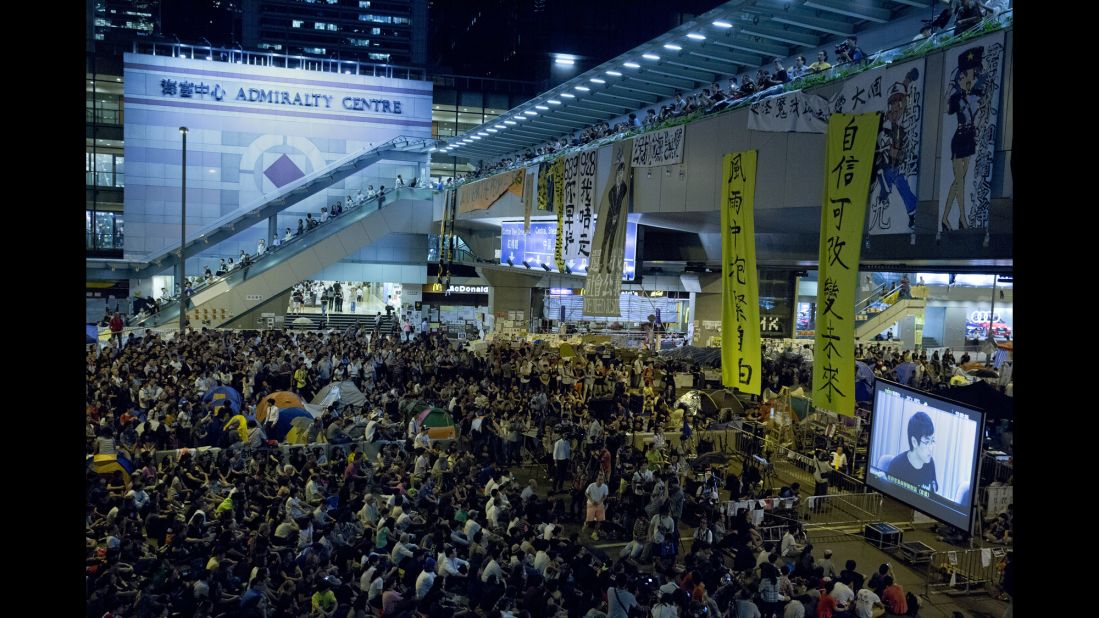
<point>542,506</point>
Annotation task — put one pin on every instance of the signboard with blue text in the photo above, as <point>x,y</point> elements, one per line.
<point>252,130</point>
<point>536,248</point>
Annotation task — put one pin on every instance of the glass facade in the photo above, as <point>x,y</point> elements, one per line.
<point>104,165</point>
<point>386,30</point>
<point>461,103</point>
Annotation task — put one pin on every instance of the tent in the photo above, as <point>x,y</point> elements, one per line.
<point>283,399</point>
<point>107,465</point>
<point>293,423</point>
<point>224,395</point>
<point>984,396</point>
<point>91,334</point>
<point>439,423</point>
<point>344,392</point>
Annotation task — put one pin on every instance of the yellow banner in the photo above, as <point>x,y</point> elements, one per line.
<point>740,362</point>
<point>558,175</point>
<point>544,184</point>
<point>852,139</point>
<point>484,193</point>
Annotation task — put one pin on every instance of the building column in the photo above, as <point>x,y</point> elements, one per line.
<point>509,292</point>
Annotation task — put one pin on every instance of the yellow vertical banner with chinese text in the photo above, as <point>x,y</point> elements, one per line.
<point>740,353</point>
<point>852,139</point>
<point>558,176</point>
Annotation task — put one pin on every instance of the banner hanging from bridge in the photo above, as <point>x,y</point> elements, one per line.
<point>602,293</point>
<point>740,353</point>
<point>849,164</point>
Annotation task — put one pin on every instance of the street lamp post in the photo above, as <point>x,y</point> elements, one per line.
<point>183,241</point>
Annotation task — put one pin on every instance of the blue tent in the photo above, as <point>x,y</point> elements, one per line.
<point>286,422</point>
<point>91,334</point>
<point>225,395</point>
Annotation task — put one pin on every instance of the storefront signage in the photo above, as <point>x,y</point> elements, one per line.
<point>459,289</point>
<point>201,90</point>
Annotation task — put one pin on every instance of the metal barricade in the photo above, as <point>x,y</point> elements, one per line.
<point>966,571</point>
<point>840,509</point>
<point>994,470</point>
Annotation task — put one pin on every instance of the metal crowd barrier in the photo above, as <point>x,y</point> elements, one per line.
<point>370,450</point>
<point>841,509</point>
<point>966,571</point>
<point>994,470</point>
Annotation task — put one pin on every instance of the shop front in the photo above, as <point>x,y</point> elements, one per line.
<point>461,309</point>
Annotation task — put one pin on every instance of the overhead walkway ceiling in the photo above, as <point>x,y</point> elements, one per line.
<point>738,36</point>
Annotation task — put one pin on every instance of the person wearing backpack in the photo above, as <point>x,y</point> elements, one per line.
<point>894,599</point>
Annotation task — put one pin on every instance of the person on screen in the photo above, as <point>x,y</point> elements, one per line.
<point>915,466</point>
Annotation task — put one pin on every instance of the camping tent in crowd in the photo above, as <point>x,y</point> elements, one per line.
<point>283,399</point>
<point>344,392</point>
<point>224,395</point>
<point>91,334</point>
<point>107,465</point>
<point>292,427</point>
<point>439,423</point>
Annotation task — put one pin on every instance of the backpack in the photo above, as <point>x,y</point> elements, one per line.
<point>913,604</point>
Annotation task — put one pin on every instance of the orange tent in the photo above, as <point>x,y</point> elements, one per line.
<point>283,399</point>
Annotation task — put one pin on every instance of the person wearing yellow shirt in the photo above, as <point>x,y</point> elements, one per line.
<point>324,600</point>
<point>300,375</point>
<point>821,64</point>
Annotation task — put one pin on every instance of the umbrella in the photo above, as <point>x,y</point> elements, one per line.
<point>984,373</point>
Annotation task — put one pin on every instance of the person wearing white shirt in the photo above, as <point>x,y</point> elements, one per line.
<point>596,494</point>
<point>541,561</point>
<point>472,527</point>
<point>423,440</point>
<point>595,431</point>
<point>790,547</point>
<point>865,602</point>
<point>401,550</point>
<point>261,247</point>
<point>528,491</point>
<point>492,572</point>
<point>492,513</point>
<point>422,462</point>
<point>426,579</point>
<point>562,451</point>
<point>448,563</point>
<point>367,577</point>
<point>275,240</point>
<point>324,215</point>
<point>843,595</point>
<point>666,608</point>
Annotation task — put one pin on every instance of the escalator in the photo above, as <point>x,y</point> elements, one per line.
<point>411,149</point>
<point>882,307</point>
<point>406,211</point>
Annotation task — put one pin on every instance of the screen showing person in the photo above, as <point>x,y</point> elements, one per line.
<point>923,451</point>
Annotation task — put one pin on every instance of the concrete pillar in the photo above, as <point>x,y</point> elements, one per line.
<point>707,307</point>
<point>509,292</point>
<point>272,229</point>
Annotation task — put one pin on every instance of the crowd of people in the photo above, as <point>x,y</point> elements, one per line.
<point>967,15</point>
<point>373,517</point>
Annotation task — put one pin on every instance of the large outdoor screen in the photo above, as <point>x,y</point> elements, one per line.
<point>923,452</point>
